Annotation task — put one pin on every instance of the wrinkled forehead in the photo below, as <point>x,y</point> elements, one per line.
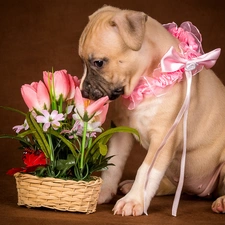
<point>98,35</point>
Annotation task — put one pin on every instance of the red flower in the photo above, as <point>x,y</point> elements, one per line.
<point>15,170</point>
<point>32,159</point>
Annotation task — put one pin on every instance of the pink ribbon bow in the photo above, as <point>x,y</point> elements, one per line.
<point>173,61</point>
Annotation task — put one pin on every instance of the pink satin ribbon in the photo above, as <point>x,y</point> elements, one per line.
<point>173,61</point>
<point>191,61</point>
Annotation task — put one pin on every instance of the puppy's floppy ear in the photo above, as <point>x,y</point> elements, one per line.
<point>131,27</point>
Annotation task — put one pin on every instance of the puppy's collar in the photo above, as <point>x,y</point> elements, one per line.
<point>173,64</point>
<point>172,69</point>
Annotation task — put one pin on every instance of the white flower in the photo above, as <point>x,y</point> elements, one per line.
<point>24,126</point>
<point>50,119</point>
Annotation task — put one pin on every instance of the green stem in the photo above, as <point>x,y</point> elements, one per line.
<point>52,91</point>
<point>51,147</point>
<point>54,105</point>
<point>52,156</point>
<point>83,144</point>
<point>60,104</point>
<point>89,143</point>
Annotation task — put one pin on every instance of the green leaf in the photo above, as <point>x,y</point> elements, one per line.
<point>65,164</point>
<point>14,110</point>
<point>104,137</point>
<point>25,133</point>
<point>103,149</point>
<point>17,138</point>
<point>65,141</point>
<point>82,174</point>
<point>111,131</point>
<point>40,171</point>
<point>38,134</point>
<point>101,165</point>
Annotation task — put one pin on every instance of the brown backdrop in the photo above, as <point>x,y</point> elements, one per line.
<point>36,35</point>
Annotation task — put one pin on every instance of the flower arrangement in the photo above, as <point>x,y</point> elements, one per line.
<point>62,135</point>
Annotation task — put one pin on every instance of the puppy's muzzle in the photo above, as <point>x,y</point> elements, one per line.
<point>95,92</point>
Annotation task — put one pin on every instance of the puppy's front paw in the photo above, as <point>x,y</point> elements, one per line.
<point>128,207</point>
<point>218,206</point>
<point>106,195</point>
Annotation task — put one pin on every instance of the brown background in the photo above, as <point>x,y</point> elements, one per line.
<point>36,35</point>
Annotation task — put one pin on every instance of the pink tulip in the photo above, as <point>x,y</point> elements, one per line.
<point>59,83</point>
<point>36,96</point>
<point>74,82</point>
<point>101,115</point>
<point>87,108</point>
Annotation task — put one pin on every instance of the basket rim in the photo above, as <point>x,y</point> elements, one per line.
<point>95,179</point>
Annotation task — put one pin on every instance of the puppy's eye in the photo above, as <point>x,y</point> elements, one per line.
<point>98,63</point>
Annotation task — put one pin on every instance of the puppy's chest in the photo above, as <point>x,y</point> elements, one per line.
<point>142,119</point>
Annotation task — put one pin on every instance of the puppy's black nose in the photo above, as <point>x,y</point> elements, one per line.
<point>97,94</point>
<point>85,94</point>
<point>86,88</point>
<point>91,93</point>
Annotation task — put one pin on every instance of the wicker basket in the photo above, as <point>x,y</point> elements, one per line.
<point>64,195</point>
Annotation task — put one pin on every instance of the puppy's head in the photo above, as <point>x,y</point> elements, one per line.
<point>110,49</point>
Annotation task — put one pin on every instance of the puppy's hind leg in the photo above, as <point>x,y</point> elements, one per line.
<point>166,187</point>
<point>125,186</point>
<point>218,205</point>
